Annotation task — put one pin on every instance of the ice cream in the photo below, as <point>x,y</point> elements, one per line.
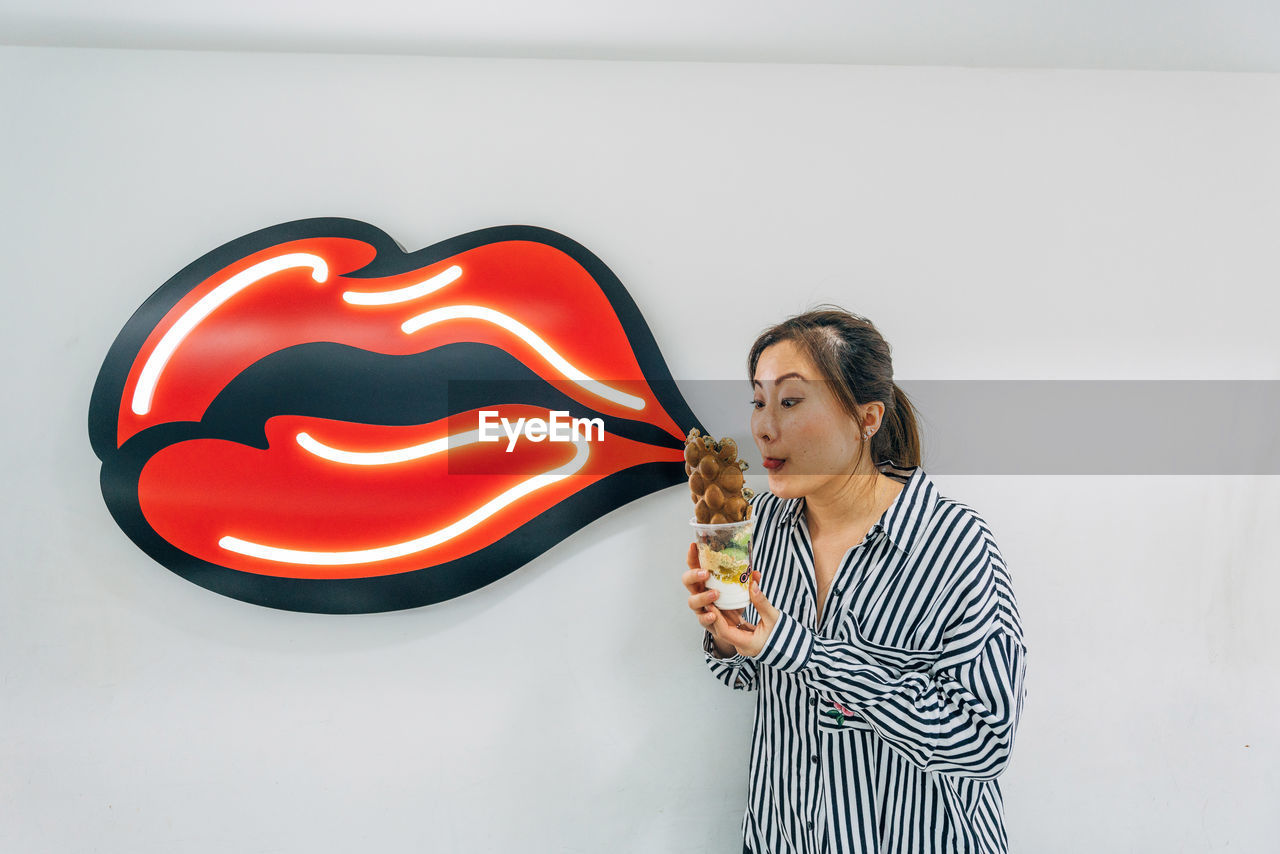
<point>722,516</point>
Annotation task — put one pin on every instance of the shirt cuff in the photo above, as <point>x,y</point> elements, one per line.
<point>709,647</point>
<point>788,646</point>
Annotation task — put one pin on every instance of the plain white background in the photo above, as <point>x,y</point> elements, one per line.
<point>994,224</point>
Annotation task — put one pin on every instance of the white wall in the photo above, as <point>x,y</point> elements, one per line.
<point>994,224</point>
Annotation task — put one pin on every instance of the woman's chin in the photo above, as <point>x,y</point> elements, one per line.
<point>785,486</point>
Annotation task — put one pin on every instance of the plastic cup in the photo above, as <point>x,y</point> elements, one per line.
<point>724,552</point>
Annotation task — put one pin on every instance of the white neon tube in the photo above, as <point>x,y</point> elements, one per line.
<point>405,294</point>
<point>374,555</point>
<point>475,312</point>
<point>383,458</point>
<point>206,305</point>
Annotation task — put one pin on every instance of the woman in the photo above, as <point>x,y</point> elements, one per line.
<point>883,638</point>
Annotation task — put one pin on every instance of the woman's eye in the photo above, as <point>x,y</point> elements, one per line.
<point>757,403</point>
<point>788,402</point>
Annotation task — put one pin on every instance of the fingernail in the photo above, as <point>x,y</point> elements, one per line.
<point>702,573</point>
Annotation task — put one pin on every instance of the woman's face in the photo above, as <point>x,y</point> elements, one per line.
<point>808,441</point>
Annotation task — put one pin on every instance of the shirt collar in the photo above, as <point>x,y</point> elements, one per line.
<point>905,518</point>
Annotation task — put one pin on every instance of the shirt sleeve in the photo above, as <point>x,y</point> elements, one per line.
<point>957,717</point>
<point>737,671</point>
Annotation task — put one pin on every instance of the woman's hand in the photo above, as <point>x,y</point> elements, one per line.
<point>700,599</point>
<point>746,638</point>
<point>729,633</point>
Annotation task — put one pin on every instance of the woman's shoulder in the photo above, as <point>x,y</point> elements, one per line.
<point>970,544</point>
<point>940,510</point>
<point>980,566</point>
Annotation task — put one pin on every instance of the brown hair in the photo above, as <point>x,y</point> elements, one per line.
<point>854,358</point>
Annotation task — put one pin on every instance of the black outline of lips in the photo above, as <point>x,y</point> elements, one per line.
<point>122,466</point>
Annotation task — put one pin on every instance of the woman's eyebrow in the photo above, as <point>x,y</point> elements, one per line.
<point>778,381</point>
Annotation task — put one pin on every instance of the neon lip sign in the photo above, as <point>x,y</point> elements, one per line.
<point>310,418</point>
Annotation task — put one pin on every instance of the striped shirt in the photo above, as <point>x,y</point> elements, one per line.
<point>882,727</point>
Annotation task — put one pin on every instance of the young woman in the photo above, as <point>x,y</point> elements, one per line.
<point>883,639</point>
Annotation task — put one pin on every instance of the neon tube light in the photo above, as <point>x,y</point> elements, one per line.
<point>383,458</point>
<point>347,558</point>
<point>405,294</point>
<point>209,303</point>
<point>475,312</point>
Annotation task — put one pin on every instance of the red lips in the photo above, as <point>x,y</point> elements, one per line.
<point>281,409</point>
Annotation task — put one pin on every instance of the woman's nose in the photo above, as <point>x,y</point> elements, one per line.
<point>764,425</point>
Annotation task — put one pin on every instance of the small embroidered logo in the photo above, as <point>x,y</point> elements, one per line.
<point>839,713</point>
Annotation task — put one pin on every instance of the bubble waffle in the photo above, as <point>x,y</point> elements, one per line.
<point>716,484</point>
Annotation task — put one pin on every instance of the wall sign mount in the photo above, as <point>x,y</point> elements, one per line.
<point>311,418</point>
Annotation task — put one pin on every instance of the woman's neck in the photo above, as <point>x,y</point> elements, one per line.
<point>849,505</point>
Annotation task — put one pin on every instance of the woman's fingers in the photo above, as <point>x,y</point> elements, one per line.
<point>700,601</point>
<point>694,577</point>
<point>730,633</point>
<point>720,623</point>
<point>694,580</point>
<point>763,606</point>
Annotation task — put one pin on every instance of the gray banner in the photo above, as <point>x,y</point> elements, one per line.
<point>1144,427</point>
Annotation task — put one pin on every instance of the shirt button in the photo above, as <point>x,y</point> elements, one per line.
<point>813,701</point>
<point>814,759</point>
<point>810,825</point>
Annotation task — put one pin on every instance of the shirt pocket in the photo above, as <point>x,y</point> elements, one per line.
<point>903,658</point>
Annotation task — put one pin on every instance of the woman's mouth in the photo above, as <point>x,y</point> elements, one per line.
<point>773,463</point>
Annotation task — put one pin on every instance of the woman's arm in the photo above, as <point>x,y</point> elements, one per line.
<point>959,717</point>
<point>959,721</point>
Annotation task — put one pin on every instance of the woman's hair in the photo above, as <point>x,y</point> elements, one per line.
<point>854,358</point>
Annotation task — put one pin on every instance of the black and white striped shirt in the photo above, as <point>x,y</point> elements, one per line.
<point>882,728</point>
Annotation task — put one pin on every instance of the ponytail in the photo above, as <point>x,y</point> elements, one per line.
<point>899,440</point>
